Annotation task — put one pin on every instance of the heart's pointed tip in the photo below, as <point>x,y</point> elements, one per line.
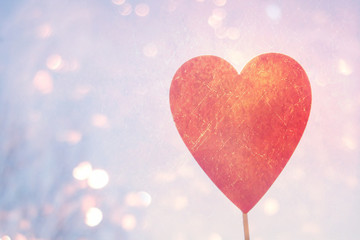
<point>246,211</point>
<point>244,207</point>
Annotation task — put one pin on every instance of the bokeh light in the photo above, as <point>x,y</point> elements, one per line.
<point>43,82</point>
<point>138,199</point>
<point>217,17</point>
<point>142,9</point>
<point>215,236</point>
<point>70,136</point>
<point>94,217</point>
<point>219,3</point>
<point>219,13</point>
<point>118,2</point>
<point>54,62</point>
<point>98,179</point>
<point>344,68</point>
<point>100,120</point>
<point>126,9</point>
<point>128,222</point>
<point>82,171</point>
<point>214,21</point>
<point>271,206</point>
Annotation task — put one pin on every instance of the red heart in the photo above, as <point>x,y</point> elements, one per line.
<point>241,128</point>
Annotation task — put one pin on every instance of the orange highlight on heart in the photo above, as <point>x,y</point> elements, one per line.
<point>241,128</point>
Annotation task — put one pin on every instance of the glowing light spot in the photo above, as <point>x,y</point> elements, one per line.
<point>98,179</point>
<point>200,0</point>
<point>219,3</point>
<point>349,142</point>
<point>126,9</point>
<point>271,206</point>
<point>145,198</point>
<point>82,171</point>
<point>142,10</point>
<point>233,33</point>
<point>93,217</point>
<point>138,199</point>
<point>344,68</point>
<point>219,13</point>
<point>71,136</point>
<point>118,2</point>
<point>214,21</point>
<point>128,222</point>
<point>44,31</point>
<point>273,12</point>
<point>43,82</point>
<point>99,120</point>
<point>6,237</point>
<point>180,203</point>
<point>237,58</point>
<point>54,62</point>
<point>150,50</point>
<point>215,236</point>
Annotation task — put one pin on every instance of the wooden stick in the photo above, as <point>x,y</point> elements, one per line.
<point>246,226</point>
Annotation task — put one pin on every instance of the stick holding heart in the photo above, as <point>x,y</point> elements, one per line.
<point>241,128</point>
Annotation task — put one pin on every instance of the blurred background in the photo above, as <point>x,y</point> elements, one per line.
<point>88,146</point>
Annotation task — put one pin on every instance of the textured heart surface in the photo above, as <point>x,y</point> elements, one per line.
<point>241,128</point>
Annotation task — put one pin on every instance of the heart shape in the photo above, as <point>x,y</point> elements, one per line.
<point>241,128</point>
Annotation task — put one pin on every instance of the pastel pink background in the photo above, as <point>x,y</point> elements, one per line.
<point>87,82</point>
